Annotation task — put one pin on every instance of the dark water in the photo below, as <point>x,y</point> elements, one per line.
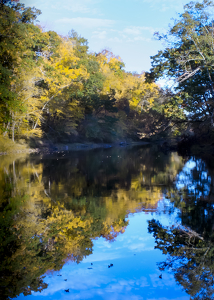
<point>107,224</point>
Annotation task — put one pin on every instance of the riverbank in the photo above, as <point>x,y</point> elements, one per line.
<point>183,146</point>
<point>201,147</point>
<point>8,147</point>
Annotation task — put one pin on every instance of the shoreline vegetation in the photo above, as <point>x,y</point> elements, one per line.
<point>184,146</point>
<point>47,147</point>
<point>57,95</point>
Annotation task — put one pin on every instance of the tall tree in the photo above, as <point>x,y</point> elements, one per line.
<point>189,59</point>
<point>16,54</point>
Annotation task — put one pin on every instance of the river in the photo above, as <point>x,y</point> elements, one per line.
<point>116,223</point>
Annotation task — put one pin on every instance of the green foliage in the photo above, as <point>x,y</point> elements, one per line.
<point>80,44</point>
<point>188,59</point>
<point>52,87</point>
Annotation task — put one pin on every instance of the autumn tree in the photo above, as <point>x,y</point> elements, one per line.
<point>52,87</point>
<point>61,74</point>
<point>16,44</point>
<point>188,60</point>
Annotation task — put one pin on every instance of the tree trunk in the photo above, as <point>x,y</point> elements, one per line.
<point>8,126</point>
<point>13,132</point>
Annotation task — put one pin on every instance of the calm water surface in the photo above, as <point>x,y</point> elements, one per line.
<point>107,224</point>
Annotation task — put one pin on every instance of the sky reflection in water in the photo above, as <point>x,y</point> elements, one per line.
<point>86,215</point>
<point>134,274</point>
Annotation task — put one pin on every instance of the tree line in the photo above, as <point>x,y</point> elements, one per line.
<point>52,87</point>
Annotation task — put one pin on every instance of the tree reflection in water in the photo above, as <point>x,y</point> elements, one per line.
<point>52,207</point>
<point>190,245</point>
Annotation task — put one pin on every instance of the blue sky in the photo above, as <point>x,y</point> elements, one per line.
<point>124,27</point>
<point>133,276</point>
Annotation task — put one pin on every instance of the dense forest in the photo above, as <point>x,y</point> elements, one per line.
<point>52,88</point>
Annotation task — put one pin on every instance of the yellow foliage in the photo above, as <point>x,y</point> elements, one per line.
<point>60,69</point>
<point>141,95</point>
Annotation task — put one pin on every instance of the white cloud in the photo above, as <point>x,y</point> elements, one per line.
<point>127,35</point>
<point>133,31</point>
<point>80,6</point>
<point>142,282</point>
<point>164,5</point>
<point>139,247</point>
<point>99,35</point>
<point>137,30</point>
<point>141,38</point>
<point>103,257</point>
<point>141,30</point>
<point>86,22</point>
<point>116,40</point>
